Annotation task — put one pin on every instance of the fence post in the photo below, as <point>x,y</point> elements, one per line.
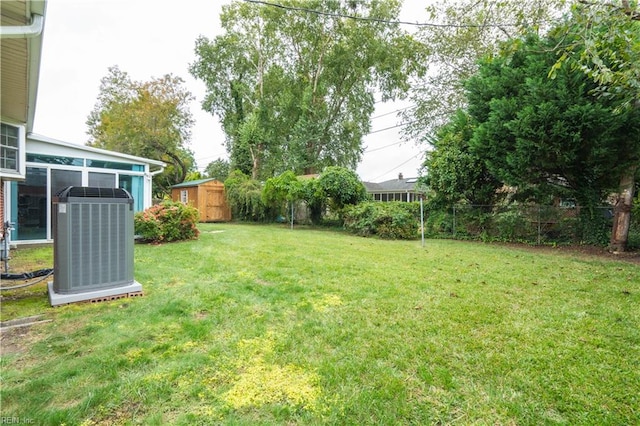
<point>539,225</point>
<point>454,221</point>
<point>422,219</point>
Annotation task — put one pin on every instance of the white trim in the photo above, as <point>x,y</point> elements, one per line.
<point>89,149</point>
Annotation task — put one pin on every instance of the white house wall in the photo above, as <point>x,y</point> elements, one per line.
<point>40,145</point>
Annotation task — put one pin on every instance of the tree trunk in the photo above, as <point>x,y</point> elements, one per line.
<point>622,211</point>
<point>256,163</point>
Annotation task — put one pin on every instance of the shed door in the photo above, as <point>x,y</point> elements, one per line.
<point>215,207</point>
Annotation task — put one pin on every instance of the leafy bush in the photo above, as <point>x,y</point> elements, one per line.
<point>244,196</point>
<point>393,220</point>
<point>167,221</point>
<point>342,187</point>
<point>511,225</point>
<point>594,226</point>
<point>312,195</point>
<point>280,191</point>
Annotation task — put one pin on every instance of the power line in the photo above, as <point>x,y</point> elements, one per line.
<point>392,127</point>
<point>393,112</point>
<point>380,148</point>
<point>399,165</point>
<point>384,21</point>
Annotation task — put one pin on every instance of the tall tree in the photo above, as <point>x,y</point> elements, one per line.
<point>547,136</point>
<point>218,169</point>
<point>607,49</point>
<point>462,32</point>
<point>148,119</point>
<point>453,171</point>
<point>294,85</point>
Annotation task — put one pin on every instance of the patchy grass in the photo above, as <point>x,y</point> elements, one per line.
<point>264,325</point>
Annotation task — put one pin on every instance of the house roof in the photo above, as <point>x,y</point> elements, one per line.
<point>38,144</point>
<point>190,183</point>
<point>21,33</point>
<point>393,185</point>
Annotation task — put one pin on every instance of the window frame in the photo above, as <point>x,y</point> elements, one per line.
<point>21,164</point>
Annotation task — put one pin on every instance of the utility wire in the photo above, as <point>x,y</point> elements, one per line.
<point>384,21</point>
<point>380,148</point>
<point>398,166</point>
<point>393,127</point>
<point>393,112</point>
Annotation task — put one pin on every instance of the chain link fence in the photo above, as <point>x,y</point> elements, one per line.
<point>534,224</point>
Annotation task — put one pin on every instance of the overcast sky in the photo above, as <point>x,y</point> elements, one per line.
<point>151,38</point>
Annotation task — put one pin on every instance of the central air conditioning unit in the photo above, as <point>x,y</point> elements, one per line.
<point>92,245</point>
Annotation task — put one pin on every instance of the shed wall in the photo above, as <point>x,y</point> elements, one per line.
<point>209,198</point>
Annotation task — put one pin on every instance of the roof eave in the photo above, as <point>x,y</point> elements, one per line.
<point>35,55</point>
<point>41,138</point>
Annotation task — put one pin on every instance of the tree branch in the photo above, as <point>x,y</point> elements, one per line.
<point>626,8</point>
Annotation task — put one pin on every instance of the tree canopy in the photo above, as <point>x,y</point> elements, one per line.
<point>607,49</point>
<point>148,119</point>
<point>295,90</point>
<point>546,129</point>
<point>218,169</point>
<point>455,172</point>
<point>460,34</point>
<point>547,136</point>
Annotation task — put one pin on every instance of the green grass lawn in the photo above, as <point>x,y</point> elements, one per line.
<point>263,325</point>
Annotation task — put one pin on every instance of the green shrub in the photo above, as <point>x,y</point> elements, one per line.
<point>594,226</point>
<point>244,196</point>
<point>167,221</point>
<point>438,222</point>
<point>341,187</point>
<point>513,224</point>
<point>392,220</point>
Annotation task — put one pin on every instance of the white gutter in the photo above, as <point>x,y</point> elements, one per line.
<point>157,172</point>
<point>33,34</point>
<point>23,31</point>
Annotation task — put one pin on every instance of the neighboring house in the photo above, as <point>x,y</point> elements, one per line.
<point>399,189</point>
<point>206,195</point>
<point>34,168</point>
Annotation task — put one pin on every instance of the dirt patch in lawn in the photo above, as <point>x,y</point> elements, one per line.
<point>582,251</point>
<point>16,341</point>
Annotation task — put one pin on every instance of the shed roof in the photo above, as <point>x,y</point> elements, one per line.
<point>191,183</point>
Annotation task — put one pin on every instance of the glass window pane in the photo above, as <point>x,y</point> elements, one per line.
<point>102,180</point>
<point>60,179</point>
<point>9,142</point>
<point>31,221</point>
<point>9,135</point>
<point>53,159</point>
<point>134,185</point>
<point>9,158</point>
<point>99,164</point>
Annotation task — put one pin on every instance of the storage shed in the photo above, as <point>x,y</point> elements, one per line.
<point>206,195</point>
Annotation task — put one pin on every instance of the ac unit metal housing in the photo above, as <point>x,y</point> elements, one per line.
<point>92,245</point>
